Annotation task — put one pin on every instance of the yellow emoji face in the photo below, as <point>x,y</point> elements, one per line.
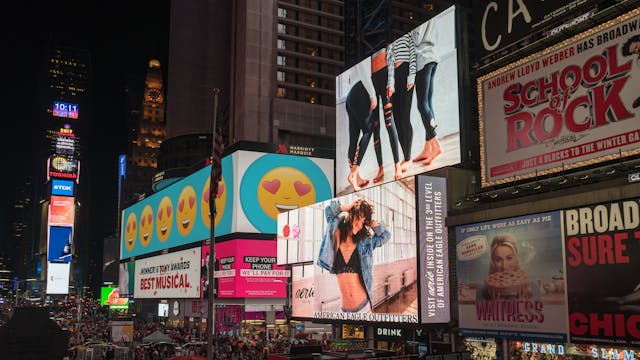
<point>186,212</point>
<point>130,231</point>
<point>164,219</point>
<point>283,189</point>
<point>146,225</point>
<point>221,198</point>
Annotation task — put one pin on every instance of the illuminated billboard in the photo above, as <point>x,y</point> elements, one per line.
<point>126,278</point>
<point>254,189</point>
<point>61,210</point>
<point>248,269</point>
<point>364,255</point>
<point>173,275</point>
<point>62,187</point>
<point>58,278</point>
<point>412,133</point>
<point>60,243</point>
<point>63,167</point>
<point>63,140</point>
<point>511,280</point>
<point>110,296</point>
<point>568,106</point>
<point>65,110</point>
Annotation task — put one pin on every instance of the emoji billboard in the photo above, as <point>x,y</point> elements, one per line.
<point>255,188</point>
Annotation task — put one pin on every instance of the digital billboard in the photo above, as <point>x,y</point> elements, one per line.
<point>254,189</point>
<point>163,310</point>
<point>65,110</point>
<point>61,210</point>
<point>568,106</point>
<point>60,242</point>
<point>433,240</point>
<point>511,279</point>
<point>302,291</point>
<point>173,275</point>
<point>363,247</point>
<point>110,296</point>
<point>406,97</point>
<point>126,278</point>
<point>269,184</point>
<point>247,269</point>
<point>63,167</point>
<point>58,278</point>
<point>62,187</point>
<point>602,260</point>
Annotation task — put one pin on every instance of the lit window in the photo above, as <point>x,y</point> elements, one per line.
<point>281,44</point>
<point>282,12</point>
<point>281,76</point>
<point>282,60</point>
<point>282,29</point>
<point>281,92</point>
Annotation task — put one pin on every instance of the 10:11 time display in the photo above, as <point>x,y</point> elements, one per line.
<point>66,110</point>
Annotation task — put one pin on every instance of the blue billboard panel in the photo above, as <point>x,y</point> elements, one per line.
<point>62,187</point>
<point>60,242</point>
<point>65,110</point>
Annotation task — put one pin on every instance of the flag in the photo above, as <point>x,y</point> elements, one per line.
<point>216,162</point>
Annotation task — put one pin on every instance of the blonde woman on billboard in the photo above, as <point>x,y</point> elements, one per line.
<point>360,103</point>
<point>347,251</point>
<point>401,67</point>
<point>424,38</point>
<point>379,77</point>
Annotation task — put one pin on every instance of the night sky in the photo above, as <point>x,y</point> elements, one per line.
<point>122,37</point>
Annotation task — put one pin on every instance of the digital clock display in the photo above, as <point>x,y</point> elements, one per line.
<point>65,110</point>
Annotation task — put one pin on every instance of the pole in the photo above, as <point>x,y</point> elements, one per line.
<point>212,243</point>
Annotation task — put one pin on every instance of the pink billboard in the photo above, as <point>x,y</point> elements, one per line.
<point>247,269</point>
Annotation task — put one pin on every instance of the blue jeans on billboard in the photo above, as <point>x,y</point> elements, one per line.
<point>424,93</point>
<point>359,111</point>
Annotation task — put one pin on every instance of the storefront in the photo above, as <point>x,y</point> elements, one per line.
<point>392,339</point>
<point>532,350</point>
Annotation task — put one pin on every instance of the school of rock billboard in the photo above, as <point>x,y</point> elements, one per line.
<point>173,275</point>
<point>404,134</point>
<point>570,105</point>
<point>569,274</point>
<point>254,189</point>
<point>603,282</point>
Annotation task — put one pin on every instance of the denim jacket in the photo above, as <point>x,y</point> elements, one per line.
<point>365,247</point>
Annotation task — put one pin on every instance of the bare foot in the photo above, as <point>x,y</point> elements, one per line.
<point>380,175</point>
<point>435,151</point>
<point>362,182</point>
<point>352,179</point>
<point>424,154</point>
<point>398,173</point>
<point>404,165</point>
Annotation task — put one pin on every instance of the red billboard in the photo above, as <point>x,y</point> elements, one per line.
<point>247,269</point>
<point>61,210</point>
<point>568,106</point>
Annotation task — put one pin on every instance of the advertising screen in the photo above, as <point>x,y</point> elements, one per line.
<point>247,269</point>
<point>163,310</point>
<point>126,278</point>
<point>63,167</point>
<point>414,130</point>
<point>254,189</point>
<point>61,211</point>
<point>565,107</point>
<point>65,110</point>
<point>60,244</point>
<point>434,255</point>
<point>178,214</point>
<point>110,296</point>
<point>511,280</point>
<point>121,331</point>
<point>58,278</point>
<point>365,266</point>
<point>302,291</point>
<point>62,187</point>
<point>279,183</point>
<point>602,257</point>
<point>173,275</point>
